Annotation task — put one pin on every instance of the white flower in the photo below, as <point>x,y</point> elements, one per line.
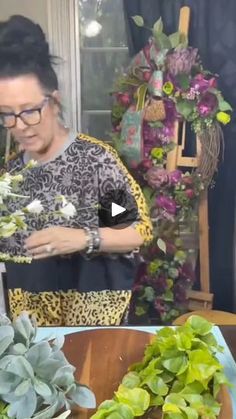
<point>31,164</point>
<point>35,207</point>
<point>5,185</point>
<point>7,229</point>
<point>62,199</point>
<point>17,178</point>
<point>68,210</point>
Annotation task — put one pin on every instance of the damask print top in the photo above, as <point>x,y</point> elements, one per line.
<point>86,170</point>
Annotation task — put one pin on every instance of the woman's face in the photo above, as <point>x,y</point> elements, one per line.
<point>24,93</point>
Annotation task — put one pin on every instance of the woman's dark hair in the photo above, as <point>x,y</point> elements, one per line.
<point>24,50</point>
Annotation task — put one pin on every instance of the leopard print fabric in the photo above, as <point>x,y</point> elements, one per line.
<point>71,308</point>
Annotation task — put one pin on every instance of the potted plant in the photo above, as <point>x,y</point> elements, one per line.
<point>36,380</point>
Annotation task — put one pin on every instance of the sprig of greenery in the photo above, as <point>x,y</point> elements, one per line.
<point>179,376</point>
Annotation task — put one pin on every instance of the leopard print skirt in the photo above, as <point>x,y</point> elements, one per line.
<point>71,308</point>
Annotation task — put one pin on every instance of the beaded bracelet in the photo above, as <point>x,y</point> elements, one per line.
<point>93,240</point>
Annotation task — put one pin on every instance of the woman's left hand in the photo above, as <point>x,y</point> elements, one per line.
<point>55,241</point>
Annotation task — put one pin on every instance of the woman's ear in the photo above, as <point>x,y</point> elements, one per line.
<point>55,95</point>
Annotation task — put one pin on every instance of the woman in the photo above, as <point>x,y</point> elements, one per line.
<point>83,268</point>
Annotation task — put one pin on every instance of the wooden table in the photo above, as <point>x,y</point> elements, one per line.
<point>102,357</point>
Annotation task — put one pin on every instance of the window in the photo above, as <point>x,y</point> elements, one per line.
<point>102,57</point>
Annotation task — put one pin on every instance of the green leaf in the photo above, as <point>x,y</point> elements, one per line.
<point>183,80</point>
<point>162,41</point>
<point>18,349</point>
<point>190,412</point>
<point>83,396</point>
<point>149,294</point>
<point>41,388</point>
<point>137,399</point>
<point>199,325</point>
<point>174,39</point>
<point>156,400</point>
<point>6,338</point>
<point>24,407</point>
<point>131,380</point>
<point>157,385</point>
<point>158,26</point>
<point>176,364</point>
<point>17,365</point>
<point>39,353</point>
<point>202,366</point>
<point>8,382</point>
<point>138,20</point>
<point>22,388</point>
<point>24,328</point>
<point>162,245</point>
<point>224,106</point>
<point>185,108</point>
<point>168,296</point>
<point>148,194</point>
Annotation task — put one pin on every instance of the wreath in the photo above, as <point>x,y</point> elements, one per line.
<point>164,84</point>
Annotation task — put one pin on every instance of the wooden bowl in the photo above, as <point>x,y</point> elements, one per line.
<point>102,357</point>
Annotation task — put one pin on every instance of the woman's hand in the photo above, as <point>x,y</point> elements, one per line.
<point>55,241</point>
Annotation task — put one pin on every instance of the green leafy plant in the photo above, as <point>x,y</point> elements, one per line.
<point>178,378</point>
<point>36,380</point>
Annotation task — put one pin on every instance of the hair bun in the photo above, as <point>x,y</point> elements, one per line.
<point>20,36</point>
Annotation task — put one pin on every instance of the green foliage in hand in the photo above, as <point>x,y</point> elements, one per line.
<point>179,375</point>
<point>36,380</point>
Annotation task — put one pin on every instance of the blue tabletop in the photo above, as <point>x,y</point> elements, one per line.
<point>225,358</point>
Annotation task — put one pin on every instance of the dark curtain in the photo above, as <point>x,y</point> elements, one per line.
<point>213,32</point>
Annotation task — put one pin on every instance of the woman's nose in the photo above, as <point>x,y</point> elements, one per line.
<point>20,123</point>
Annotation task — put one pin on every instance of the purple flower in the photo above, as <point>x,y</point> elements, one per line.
<point>207,104</point>
<point>159,305</point>
<point>181,61</point>
<point>160,284</point>
<point>157,177</point>
<point>175,177</point>
<point>179,293</point>
<point>200,84</point>
<point>168,204</point>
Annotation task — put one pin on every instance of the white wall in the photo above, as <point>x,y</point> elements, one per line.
<point>34,9</point>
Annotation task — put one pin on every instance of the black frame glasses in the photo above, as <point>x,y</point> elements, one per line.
<point>30,117</point>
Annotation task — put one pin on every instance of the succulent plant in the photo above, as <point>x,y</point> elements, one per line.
<point>36,380</point>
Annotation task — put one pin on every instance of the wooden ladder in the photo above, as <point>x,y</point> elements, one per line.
<point>202,299</point>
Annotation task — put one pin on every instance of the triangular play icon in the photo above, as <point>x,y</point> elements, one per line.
<point>116,209</point>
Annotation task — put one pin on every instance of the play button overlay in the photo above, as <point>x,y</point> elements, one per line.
<point>117,209</point>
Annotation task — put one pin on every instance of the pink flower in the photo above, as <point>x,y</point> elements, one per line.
<point>207,104</point>
<point>201,84</point>
<point>175,177</point>
<point>190,193</point>
<point>167,204</point>
<point>124,98</point>
<point>157,177</point>
<point>146,164</point>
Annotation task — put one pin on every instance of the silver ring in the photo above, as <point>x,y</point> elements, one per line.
<point>48,248</point>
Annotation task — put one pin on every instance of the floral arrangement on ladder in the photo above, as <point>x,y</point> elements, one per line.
<point>164,87</point>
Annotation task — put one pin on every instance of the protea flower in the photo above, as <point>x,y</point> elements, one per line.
<point>181,61</point>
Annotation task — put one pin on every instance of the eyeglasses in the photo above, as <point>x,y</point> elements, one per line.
<point>29,116</point>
